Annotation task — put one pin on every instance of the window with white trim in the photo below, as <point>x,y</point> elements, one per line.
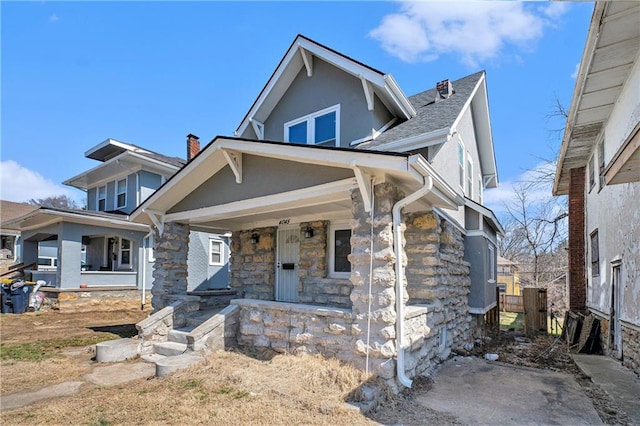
<point>592,172</point>
<point>102,198</point>
<point>595,254</point>
<point>339,250</point>
<point>124,253</point>
<point>480,189</point>
<point>121,193</point>
<point>469,177</point>
<point>215,252</point>
<point>461,164</point>
<point>319,128</point>
<point>601,165</point>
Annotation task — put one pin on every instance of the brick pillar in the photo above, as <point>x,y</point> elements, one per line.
<point>382,349</point>
<point>170,268</point>
<point>577,261</point>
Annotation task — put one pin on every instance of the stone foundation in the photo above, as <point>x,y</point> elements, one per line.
<point>631,348</point>
<point>96,299</point>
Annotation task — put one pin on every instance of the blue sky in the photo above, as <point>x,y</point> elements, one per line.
<point>149,73</point>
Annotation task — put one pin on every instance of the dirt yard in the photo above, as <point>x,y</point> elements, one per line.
<point>42,349</point>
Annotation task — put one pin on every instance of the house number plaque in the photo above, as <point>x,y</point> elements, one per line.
<point>284,221</point>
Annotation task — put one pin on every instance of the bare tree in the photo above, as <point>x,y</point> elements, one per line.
<point>56,202</point>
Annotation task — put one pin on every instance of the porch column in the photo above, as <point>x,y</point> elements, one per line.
<point>381,328</point>
<point>170,268</point>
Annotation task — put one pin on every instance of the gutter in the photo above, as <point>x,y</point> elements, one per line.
<point>398,248</point>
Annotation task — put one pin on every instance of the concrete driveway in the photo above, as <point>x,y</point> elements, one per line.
<point>480,392</point>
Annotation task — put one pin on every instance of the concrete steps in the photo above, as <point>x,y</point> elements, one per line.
<point>172,364</point>
<point>170,348</point>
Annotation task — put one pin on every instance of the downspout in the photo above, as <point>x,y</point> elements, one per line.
<point>398,249</point>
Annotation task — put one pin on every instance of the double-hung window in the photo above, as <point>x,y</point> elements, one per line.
<point>121,193</point>
<point>461,164</point>
<point>124,253</point>
<point>601,165</point>
<point>102,198</point>
<point>215,252</point>
<point>469,177</point>
<point>319,128</point>
<point>595,254</point>
<point>339,250</point>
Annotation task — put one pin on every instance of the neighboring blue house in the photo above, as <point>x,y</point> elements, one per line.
<point>98,249</point>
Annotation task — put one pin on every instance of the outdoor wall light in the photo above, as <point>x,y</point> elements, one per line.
<point>255,238</point>
<point>308,232</point>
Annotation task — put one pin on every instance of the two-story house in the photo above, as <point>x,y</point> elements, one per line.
<point>599,169</point>
<point>358,229</point>
<point>98,253</point>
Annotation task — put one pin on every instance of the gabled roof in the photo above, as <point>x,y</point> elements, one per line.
<point>10,210</point>
<point>436,122</point>
<point>119,158</point>
<point>611,50</point>
<point>409,171</point>
<point>300,55</point>
<point>110,148</point>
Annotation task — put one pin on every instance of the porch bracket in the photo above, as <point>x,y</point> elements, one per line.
<point>307,59</point>
<point>368,92</point>
<point>258,127</point>
<point>363,180</point>
<point>157,218</point>
<point>234,159</point>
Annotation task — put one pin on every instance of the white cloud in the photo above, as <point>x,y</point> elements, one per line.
<point>574,75</point>
<point>497,199</point>
<point>19,184</point>
<point>54,18</point>
<point>476,31</point>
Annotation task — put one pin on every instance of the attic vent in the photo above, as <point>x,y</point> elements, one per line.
<point>444,90</point>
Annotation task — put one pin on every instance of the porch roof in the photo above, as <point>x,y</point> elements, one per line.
<point>327,198</point>
<point>45,216</point>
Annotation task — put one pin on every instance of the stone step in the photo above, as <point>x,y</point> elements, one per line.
<point>179,335</point>
<point>171,364</point>
<point>169,348</point>
<point>197,318</point>
<point>152,358</point>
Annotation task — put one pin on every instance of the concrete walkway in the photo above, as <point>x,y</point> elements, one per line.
<point>620,383</point>
<point>480,392</point>
<point>102,375</point>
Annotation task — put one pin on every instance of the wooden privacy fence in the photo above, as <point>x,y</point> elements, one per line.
<point>510,303</point>
<point>535,310</point>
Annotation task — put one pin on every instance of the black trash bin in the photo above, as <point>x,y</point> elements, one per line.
<point>20,298</point>
<point>7,307</point>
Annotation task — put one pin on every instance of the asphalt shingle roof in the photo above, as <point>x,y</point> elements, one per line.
<point>430,115</point>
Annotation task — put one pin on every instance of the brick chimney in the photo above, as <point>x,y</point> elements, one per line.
<point>444,89</point>
<point>193,146</point>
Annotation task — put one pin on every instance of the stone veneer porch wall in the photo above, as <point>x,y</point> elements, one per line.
<point>253,267</point>
<point>170,268</point>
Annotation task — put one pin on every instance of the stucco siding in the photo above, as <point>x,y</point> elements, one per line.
<point>261,176</point>
<point>625,115</point>
<point>327,87</point>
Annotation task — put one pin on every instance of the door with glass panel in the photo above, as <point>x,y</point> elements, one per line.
<point>288,254</point>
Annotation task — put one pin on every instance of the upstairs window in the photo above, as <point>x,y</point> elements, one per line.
<point>102,198</point>
<point>469,177</point>
<point>319,128</point>
<point>592,173</point>
<point>461,164</point>
<point>121,193</point>
<point>601,164</point>
<point>480,190</point>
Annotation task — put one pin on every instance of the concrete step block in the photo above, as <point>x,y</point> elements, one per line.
<point>152,358</point>
<point>116,350</point>
<point>171,364</point>
<point>178,336</point>
<point>169,348</point>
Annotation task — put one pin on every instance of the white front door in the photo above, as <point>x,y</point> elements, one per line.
<point>288,253</point>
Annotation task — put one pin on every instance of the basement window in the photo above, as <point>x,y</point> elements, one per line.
<point>319,128</point>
